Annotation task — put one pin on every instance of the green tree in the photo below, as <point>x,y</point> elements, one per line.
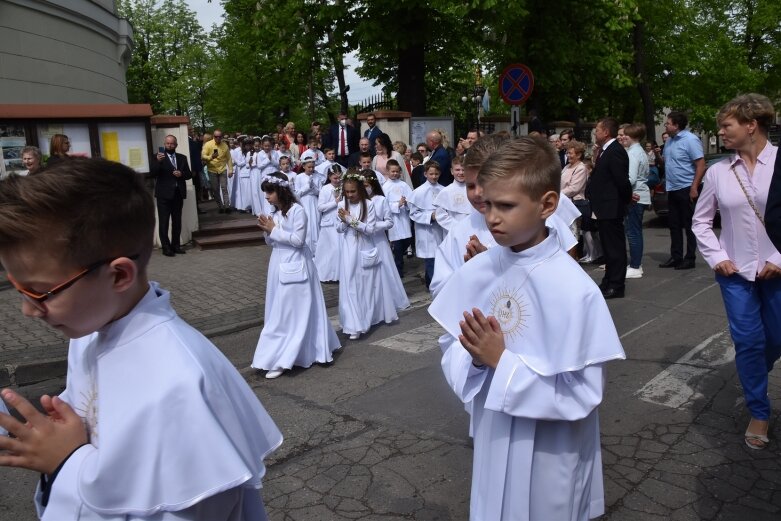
<point>167,58</point>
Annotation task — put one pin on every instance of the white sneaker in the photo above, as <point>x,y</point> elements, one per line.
<point>355,336</point>
<point>634,273</point>
<point>276,373</point>
<point>585,259</point>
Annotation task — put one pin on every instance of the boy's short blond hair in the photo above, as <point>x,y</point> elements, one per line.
<point>482,149</point>
<point>81,210</point>
<point>531,161</point>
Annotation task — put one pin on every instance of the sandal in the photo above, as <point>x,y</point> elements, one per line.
<point>756,441</point>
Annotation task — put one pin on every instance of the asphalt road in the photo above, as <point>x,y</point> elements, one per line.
<point>378,435</point>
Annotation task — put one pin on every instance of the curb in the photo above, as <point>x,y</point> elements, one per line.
<point>20,375</point>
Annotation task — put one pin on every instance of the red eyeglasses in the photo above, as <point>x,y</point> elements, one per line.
<point>38,299</point>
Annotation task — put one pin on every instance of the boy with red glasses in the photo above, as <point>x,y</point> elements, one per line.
<point>189,442</point>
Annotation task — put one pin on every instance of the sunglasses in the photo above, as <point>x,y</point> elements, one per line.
<point>38,299</point>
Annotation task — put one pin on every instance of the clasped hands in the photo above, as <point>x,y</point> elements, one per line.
<point>46,439</point>
<point>482,337</point>
<point>266,223</point>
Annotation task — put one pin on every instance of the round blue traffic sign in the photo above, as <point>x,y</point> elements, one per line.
<point>516,84</point>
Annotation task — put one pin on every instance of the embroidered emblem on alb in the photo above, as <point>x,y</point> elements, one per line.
<point>459,199</point>
<point>510,311</point>
<point>89,413</point>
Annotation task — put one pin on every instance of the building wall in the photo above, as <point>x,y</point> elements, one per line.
<point>73,51</point>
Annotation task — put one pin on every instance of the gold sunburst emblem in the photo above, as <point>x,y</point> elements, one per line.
<point>509,309</point>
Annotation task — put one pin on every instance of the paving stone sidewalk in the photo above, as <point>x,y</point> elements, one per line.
<point>216,291</point>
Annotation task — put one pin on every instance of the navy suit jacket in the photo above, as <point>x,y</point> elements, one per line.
<point>166,182</point>
<point>371,134</point>
<point>442,156</point>
<point>609,190</point>
<point>332,140</point>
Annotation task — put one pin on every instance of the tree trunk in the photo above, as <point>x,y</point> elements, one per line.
<point>338,59</point>
<point>412,79</point>
<point>649,111</point>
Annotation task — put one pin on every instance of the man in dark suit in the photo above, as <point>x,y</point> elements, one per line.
<point>441,155</point>
<point>343,138</point>
<point>355,158</point>
<point>372,132</point>
<point>609,192</point>
<point>170,171</point>
<point>773,206</point>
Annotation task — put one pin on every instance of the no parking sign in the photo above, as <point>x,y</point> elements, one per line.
<point>516,84</point>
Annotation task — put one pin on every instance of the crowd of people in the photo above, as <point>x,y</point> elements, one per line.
<point>497,226</point>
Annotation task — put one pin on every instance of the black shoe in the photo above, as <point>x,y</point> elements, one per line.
<point>168,252</point>
<point>599,260</point>
<point>221,210</point>
<point>612,293</point>
<point>686,264</point>
<point>201,212</point>
<point>228,210</point>
<point>180,251</point>
<point>670,263</point>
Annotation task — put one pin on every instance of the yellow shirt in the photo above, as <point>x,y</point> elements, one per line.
<point>220,164</point>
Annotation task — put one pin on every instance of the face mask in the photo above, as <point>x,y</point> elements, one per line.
<point>343,122</point>
<point>368,190</point>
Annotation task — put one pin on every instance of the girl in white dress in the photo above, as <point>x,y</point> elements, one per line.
<point>329,244</point>
<point>359,262</point>
<point>255,178</point>
<point>393,297</point>
<point>293,292</point>
<point>243,201</point>
<point>307,189</point>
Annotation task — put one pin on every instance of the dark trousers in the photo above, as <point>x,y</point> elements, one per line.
<point>679,219</point>
<point>613,239</point>
<point>170,209</point>
<point>399,250</point>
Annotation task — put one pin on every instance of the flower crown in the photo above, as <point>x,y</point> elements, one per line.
<point>352,175</point>
<point>276,181</point>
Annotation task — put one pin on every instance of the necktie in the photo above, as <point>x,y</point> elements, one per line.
<point>342,145</point>
<point>597,153</point>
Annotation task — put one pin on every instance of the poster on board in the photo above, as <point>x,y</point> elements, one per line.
<point>12,141</point>
<point>419,127</point>
<point>125,143</point>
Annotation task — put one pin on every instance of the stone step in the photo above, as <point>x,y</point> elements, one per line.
<point>230,240</point>
<point>228,226</point>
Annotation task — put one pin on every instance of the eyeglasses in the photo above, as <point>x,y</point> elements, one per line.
<point>38,299</point>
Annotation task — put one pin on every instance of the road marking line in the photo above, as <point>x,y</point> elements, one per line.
<point>676,386</point>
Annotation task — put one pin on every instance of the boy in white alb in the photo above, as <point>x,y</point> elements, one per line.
<point>428,233</point>
<point>535,385</point>
<point>452,204</point>
<point>471,236</point>
<point>322,169</point>
<point>155,423</point>
<point>398,193</point>
<point>365,162</point>
<point>313,152</point>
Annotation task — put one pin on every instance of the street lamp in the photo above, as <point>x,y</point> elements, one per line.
<point>476,95</point>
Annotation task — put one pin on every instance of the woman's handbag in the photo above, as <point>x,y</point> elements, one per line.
<point>292,272</point>
<point>370,258</point>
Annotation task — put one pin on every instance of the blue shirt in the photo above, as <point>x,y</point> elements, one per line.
<point>680,153</point>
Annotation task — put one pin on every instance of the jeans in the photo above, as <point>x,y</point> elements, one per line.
<point>754,316</point>
<point>679,219</point>
<point>634,233</point>
<point>219,183</point>
<point>399,250</point>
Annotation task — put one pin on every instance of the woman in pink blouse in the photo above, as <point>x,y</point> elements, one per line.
<point>747,265</point>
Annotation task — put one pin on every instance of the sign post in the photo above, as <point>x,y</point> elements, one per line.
<point>515,86</point>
